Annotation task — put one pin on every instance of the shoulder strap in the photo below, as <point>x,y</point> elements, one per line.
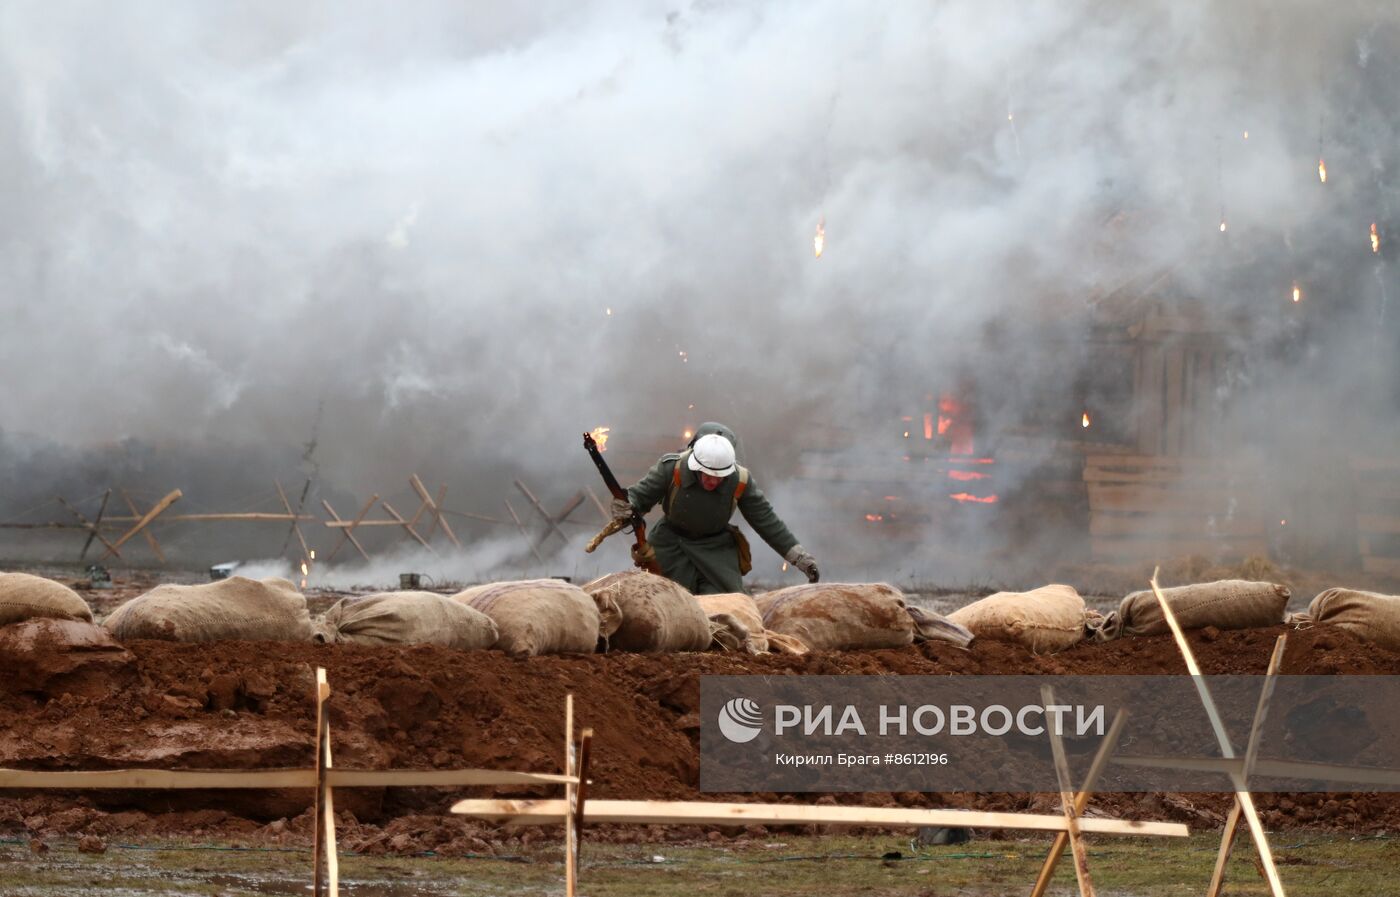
<point>675,482</point>
<point>739,489</point>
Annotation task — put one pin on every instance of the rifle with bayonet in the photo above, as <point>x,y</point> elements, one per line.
<point>642,554</point>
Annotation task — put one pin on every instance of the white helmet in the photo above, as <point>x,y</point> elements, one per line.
<point>713,454</point>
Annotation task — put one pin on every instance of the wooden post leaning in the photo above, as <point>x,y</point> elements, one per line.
<point>1227,837</point>
<point>1068,804</point>
<point>1081,800</point>
<point>1242,795</point>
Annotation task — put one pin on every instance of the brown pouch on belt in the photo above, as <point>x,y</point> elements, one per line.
<point>745,553</point>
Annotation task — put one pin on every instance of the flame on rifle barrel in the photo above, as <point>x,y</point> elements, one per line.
<point>1084,421</point>
<point>1375,238</point>
<point>1297,292</point>
<point>1321,170</point>
<point>600,436</point>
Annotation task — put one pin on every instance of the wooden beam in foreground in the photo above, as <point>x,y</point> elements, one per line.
<point>658,812</point>
<point>268,778</point>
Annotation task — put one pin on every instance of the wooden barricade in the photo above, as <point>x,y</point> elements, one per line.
<point>1144,508</point>
<point>1378,514</point>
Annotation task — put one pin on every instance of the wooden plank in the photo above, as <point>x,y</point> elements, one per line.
<point>318,843</point>
<point>1385,566</point>
<point>539,509</point>
<point>437,517</point>
<point>137,515</point>
<point>1106,548</point>
<point>1273,769</point>
<point>433,508</point>
<point>389,509</point>
<point>1246,800</point>
<point>1067,803</point>
<point>545,812</point>
<point>1174,413</point>
<point>223,779</point>
<point>92,528</point>
<point>523,533</point>
<point>1149,400</point>
<point>158,778</point>
<point>1081,800</point>
<point>348,533</point>
<point>296,522</point>
<point>145,521</point>
<point>571,803</point>
<point>1145,499</point>
<point>1103,523</point>
<point>1378,524</point>
<point>96,525</point>
<point>1256,730</point>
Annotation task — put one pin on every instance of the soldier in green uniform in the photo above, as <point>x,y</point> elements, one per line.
<point>699,490</point>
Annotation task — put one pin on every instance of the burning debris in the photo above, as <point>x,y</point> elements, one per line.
<point>819,240</point>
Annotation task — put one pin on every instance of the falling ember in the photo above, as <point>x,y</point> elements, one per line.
<point>608,312</point>
<point>1321,170</point>
<point>784,566</point>
<point>819,241</point>
<point>874,518</point>
<point>600,436</point>
<point>906,434</point>
<point>1297,292</point>
<point>1246,135</point>
<point>1222,225</point>
<point>1283,523</point>
<point>1375,238</point>
<point>687,435</point>
<point>313,554</point>
<point>1084,421</point>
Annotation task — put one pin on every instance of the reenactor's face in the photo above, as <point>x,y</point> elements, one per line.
<point>710,483</point>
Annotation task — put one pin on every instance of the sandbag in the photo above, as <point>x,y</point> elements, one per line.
<point>25,597</point>
<point>234,608</point>
<point>743,610</point>
<point>1227,604</point>
<point>538,616</point>
<point>1372,616</point>
<point>658,615</point>
<point>840,616</point>
<point>1046,620</point>
<point>406,618</point>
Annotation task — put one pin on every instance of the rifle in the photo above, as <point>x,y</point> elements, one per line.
<point>642,555</point>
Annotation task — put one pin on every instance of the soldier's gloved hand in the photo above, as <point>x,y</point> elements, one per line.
<point>622,510</point>
<point>802,560</point>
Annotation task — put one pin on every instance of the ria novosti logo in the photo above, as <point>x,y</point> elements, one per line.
<point>740,720</point>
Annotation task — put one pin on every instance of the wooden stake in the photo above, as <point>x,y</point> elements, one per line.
<point>1081,800</point>
<point>145,521</point>
<point>432,525</point>
<point>1068,802</point>
<point>96,524</point>
<point>562,516</point>
<point>571,803</point>
<point>602,511</point>
<point>1246,800</point>
<point>1232,822</point>
<point>585,747</point>
<point>523,534</point>
<point>135,516</point>
<point>539,509</point>
<point>350,530</point>
<point>318,844</point>
<point>347,533</point>
<point>408,528</point>
<point>433,508</point>
<point>91,527</point>
<point>296,523</point>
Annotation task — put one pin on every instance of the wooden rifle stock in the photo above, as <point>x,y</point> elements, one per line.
<point>641,555</point>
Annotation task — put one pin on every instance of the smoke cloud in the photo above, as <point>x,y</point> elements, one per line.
<point>246,242</point>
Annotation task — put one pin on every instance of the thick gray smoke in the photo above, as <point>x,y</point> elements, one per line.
<point>466,234</point>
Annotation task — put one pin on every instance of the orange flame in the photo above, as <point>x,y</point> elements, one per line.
<point>977,499</point>
<point>1321,170</point>
<point>600,436</point>
<point>1084,421</point>
<point>687,435</point>
<point>819,241</point>
<point>966,475</point>
<point>928,426</point>
<point>874,518</point>
<point>1375,238</point>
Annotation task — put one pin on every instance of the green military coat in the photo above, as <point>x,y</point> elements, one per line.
<point>693,542</point>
